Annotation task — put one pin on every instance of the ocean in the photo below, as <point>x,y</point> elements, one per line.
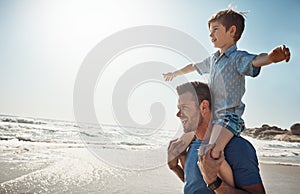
<point>52,156</point>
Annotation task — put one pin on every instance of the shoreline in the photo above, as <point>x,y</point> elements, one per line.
<point>279,163</point>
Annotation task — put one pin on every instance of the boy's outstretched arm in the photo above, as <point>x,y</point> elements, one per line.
<point>278,54</point>
<point>187,69</point>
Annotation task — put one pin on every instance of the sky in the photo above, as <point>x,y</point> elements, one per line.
<point>44,44</point>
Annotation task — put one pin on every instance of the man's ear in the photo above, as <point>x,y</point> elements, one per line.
<point>204,107</point>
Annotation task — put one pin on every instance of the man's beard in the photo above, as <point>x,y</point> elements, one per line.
<point>193,126</point>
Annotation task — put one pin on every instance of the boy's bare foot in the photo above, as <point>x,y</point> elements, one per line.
<point>186,138</point>
<point>179,146</point>
<point>203,149</point>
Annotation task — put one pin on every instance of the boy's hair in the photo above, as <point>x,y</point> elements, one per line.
<point>198,89</point>
<point>229,18</point>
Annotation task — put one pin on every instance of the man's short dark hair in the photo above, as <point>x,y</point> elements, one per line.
<point>199,90</point>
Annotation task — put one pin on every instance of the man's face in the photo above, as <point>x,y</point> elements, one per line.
<point>189,112</point>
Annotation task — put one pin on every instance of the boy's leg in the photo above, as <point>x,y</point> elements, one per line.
<point>221,136</point>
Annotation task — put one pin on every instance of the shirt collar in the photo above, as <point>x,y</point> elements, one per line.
<point>227,52</point>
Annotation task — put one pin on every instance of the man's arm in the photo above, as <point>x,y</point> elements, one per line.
<point>177,153</point>
<point>174,157</point>
<point>210,167</point>
<point>276,55</point>
<point>255,189</point>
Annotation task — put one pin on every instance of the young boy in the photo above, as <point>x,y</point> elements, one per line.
<point>227,69</point>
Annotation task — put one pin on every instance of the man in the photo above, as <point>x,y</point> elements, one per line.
<point>194,106</point>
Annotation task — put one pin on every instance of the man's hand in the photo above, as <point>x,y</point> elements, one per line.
<point>174,152</point>
<point>177,152</point>
<point>209,166</point>
<point>174,156</point>
<point>279,54</point>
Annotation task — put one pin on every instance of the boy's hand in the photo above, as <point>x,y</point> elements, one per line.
<point>169,76</point>
<point>279,54</point>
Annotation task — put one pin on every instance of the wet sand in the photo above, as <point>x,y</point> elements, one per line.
<point>280,178</point>
<point>276,178</point>
<point>77,171</point>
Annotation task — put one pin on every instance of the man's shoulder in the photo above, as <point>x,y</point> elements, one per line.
<point>241,156</point>
<point>238,143</point>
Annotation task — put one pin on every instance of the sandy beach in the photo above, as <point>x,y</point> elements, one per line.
<point>280,178</point>
<point>78,171</point>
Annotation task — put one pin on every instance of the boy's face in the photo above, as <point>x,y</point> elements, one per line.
<point>221,38</point>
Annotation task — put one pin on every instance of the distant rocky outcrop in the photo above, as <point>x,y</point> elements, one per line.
<point>267,132</point>
<point>295,129</point>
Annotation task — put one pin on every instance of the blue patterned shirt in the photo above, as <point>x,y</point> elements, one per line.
<point>227,79</point>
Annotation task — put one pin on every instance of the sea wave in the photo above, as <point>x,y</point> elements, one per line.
<point>109,136</point>
<point>12,119</point>
<point>279,163</point>
<point>133,144</point>
<point>277,152</point>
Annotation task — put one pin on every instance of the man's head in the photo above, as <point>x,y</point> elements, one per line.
<point>229,18</point>
<point>193,103</point>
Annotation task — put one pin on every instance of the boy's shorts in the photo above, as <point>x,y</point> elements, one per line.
<point>232,122</point>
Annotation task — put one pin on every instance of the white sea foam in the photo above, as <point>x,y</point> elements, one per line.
<point>276,152</point>
<point>117,137</point>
